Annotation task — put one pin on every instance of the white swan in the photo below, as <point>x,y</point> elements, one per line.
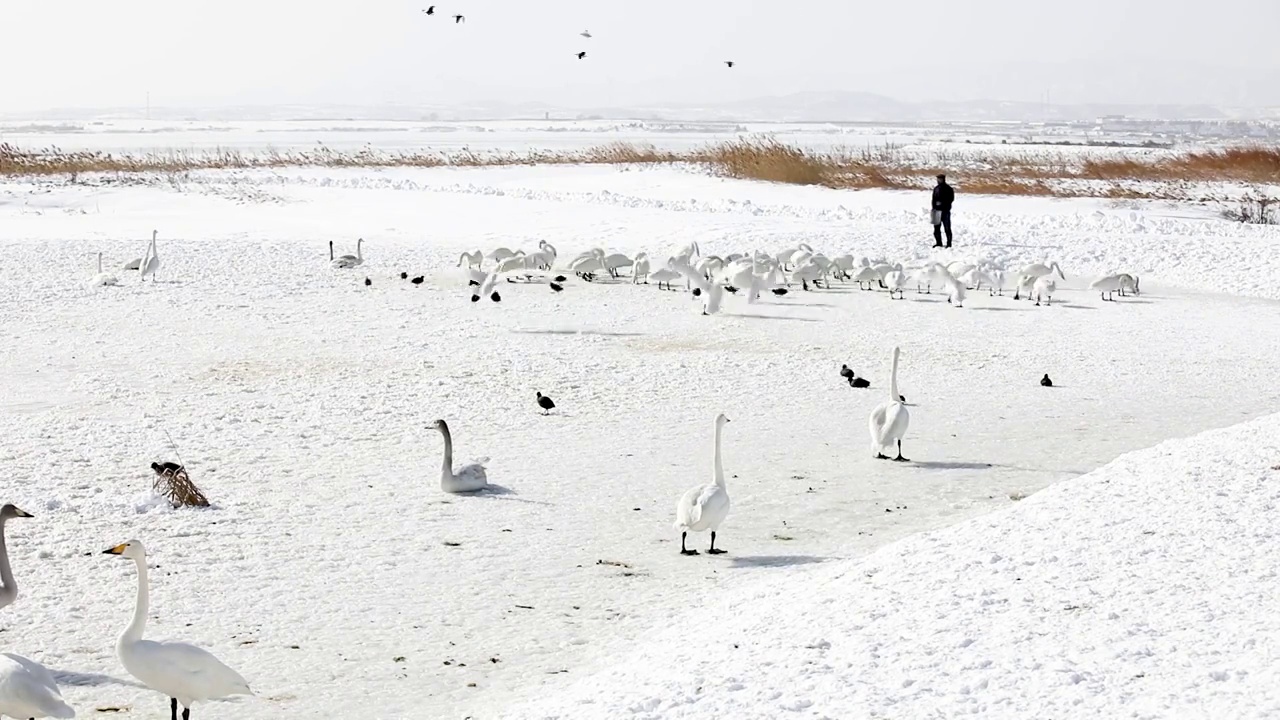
<point>1128,284</point>
<point>955,288</point>
<point>103,279</point>
<point>706,506</point>
<point>151,261</point>
<point>183,672</point>
<point>640,268</point>
<point>1044,289</point>
<point>486,288</point>
<point>500,254</point>
<point>866,276</point>
<point>466,479</point>
<point>473,259</point>
<point>1044,268</point>
<point>27,688</point>
<point>349,261</point>
<point>896,280</point>
<point>1107,286</point>
<point>665,276</point>
<point>889,421</point>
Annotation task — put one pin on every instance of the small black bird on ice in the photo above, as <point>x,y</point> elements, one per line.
<point>729,63</point>
<point>1045,381</point>
<point>847,374</point>
<point>731,289</point>
<point>473,283</point>
<point>495,296</point>
<point>861,382</point>
<point>431,10</point>
<point>582,54</point>
<point>168,467</point>
<point>560,278</point>
<point>556,287</point>
<point>418,280</point>
<point>367,282</point>
<point>697,292</point>
<point>545,403</point>
<point>458,18</point>
<point>779,291</point>
<point>404,276</point>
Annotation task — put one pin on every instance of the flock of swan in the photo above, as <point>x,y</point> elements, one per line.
<point>183,672</point>
<point>709,277</point>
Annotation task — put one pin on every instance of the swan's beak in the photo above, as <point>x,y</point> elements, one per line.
<point>117,550</point>
<point>19,512</point>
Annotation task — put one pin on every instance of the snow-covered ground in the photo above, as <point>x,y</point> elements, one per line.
<point>339,580</point>
<point>1144,589</point>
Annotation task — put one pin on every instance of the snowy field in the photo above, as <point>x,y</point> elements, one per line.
<point>334,574</point>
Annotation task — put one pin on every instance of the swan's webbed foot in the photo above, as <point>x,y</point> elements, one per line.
<point>881,456</point>
<point>186,713</point>
<point>716,551</point>
<point>683,549</point>
<point>713,550</point>
<point>900,458</point>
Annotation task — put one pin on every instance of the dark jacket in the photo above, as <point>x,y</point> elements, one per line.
<point>943,196</point>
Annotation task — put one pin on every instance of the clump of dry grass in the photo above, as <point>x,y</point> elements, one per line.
<point>176,486</point>
<point>769,160</point>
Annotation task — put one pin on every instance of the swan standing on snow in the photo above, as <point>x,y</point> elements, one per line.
<point>889,421</point>
<point>348,261</point>
<point>1044,288</point>
<point>1029,274</point>
<point>472,259</point>
<point>27,688</point>
<point>640,268</point>
<point>466,479</point>
<point>181,671</point>
<point>1107,286</point>
<point>1128,283</point>
<point>103,279</point>
<point>705,506</point>
<point>150,261</point>
<point>896,280</point>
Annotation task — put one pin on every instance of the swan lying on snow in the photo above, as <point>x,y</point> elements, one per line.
<point>466,479</point>
<point>706,506</point>
<point>889,421</point>
<point>103,279</point>
<point>181,671</point>
<point>344,262</point>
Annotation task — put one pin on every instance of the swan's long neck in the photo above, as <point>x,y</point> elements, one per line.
<point>719,468</point>
<point>893,380</point>
<point>9,592</point>
<point>133,633</point>
<point>359,254</point>
<point>331,250</point>
<point>99,263</point>
<point>446,467</point>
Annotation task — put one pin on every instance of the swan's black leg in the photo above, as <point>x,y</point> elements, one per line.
<point>881,456</point>
<point>683,550</point>
<point>186,713</point>
<point>173,708</point>
<point>900,458</point>
<point>713,550</point>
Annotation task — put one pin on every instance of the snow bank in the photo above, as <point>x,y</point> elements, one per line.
<point>1146,588</point>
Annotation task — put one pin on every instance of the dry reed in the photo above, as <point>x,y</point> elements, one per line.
<point>976,170</point>
<point>177,487</point>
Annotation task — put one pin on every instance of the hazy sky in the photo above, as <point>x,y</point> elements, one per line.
<point>80,53</point>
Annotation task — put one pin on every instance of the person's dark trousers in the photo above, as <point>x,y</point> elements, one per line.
<point>937,229</point>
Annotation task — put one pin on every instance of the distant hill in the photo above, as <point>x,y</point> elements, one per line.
<point>833,106</point>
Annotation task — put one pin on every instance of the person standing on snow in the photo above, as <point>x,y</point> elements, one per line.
<point>943,196</point>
